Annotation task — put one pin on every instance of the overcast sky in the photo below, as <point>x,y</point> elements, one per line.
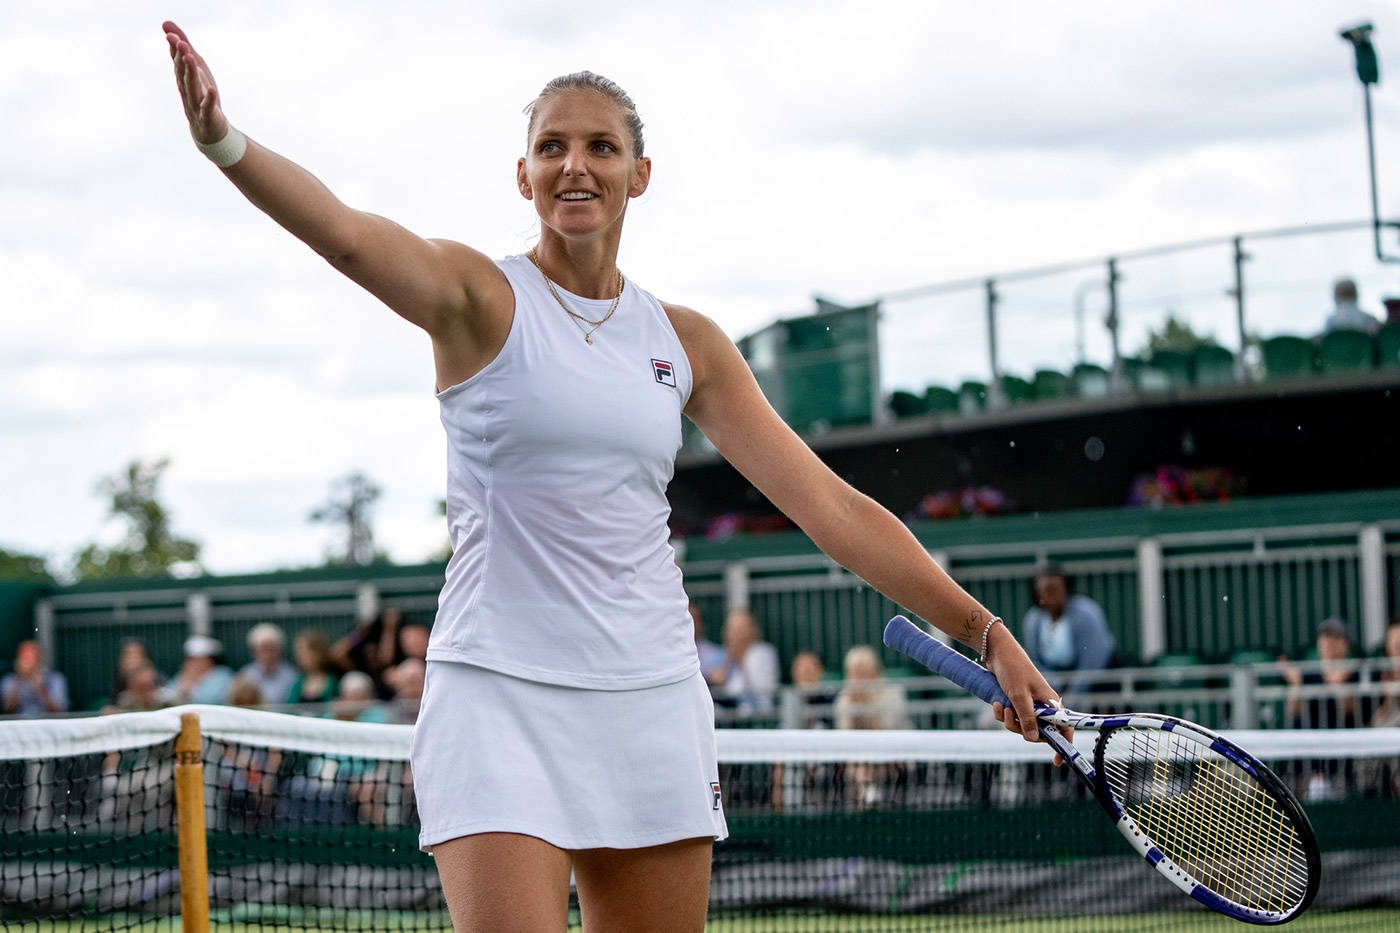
<point>847,149</point>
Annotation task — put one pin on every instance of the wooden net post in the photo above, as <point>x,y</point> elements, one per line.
<point>189,808</point>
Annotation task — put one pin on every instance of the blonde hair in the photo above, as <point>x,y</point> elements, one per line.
<point>866,654</point>
<point>588,81</point>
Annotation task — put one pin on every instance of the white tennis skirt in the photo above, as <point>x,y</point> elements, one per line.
<point>578,768</point>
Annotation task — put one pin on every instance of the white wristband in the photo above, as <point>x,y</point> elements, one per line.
<point>226,151</point>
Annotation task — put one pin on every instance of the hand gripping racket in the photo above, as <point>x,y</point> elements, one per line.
<point>1211,817</point>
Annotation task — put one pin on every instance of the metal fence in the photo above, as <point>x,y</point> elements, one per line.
<point>1211,596</point>
<point>1218,696</point>
<point>1234,288</point>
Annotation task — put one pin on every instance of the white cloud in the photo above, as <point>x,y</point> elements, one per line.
<point>842,148</point>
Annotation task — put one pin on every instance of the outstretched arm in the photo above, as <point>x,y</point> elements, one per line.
<point>851,528</point>
<point>431,283</point>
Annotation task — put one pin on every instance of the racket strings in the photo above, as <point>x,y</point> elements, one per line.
<point>1209,816</point>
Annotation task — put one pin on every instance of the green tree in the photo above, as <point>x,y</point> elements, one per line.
<point>350,506</point>
<point>28,568</point>
<point>149,548</point>
<point>1175,335</point>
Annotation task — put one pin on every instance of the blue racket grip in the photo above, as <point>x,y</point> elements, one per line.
<point>907,638</point>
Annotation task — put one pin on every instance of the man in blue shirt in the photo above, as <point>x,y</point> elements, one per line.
<point>1066,633</point>
<point>1346,315</point>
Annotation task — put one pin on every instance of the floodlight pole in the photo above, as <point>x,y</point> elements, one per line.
<point>1375,198</point>
<point>1241,371</point>
<point>996,398</point>
<point>1116,375</point>
<point>1368,71</point>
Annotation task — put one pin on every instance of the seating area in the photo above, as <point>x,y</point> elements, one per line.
<point>1281,357</point>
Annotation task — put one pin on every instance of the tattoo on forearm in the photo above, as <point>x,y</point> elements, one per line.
<point>973,625</point>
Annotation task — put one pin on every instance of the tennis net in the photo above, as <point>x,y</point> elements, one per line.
<point>310,824</point>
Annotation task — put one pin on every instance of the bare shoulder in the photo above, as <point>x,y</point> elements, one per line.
<point>477,272</point>
<point>689,323</point>
<point>481,301</point>
<point>705,343</point>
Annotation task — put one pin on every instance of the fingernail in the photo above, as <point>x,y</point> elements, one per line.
<point>1033,734</point>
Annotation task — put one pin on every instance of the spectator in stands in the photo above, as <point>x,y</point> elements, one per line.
<point>318,680</point>
<point>1340,707</point>
<point>711,655</point>
<point>1382,775</point>
<point>132,657</point>
<point>203,678</point>
<point>413,641</point>
<point>749,677</point>
<point>269,670</point>
<point>144,692</point>
<point>406,678</point>
<point>1388,708</point>
<point>1346,315</point>
<point>1392,310</point>
<point>31,689</point>
<point>813,691</point>
<point>1065,633</point>
<point>867,700</point>
<point>245,692</point>
<point>356,701</point>
<point>799,784</point>
<point>372,647</point>
<point>1336,707</point>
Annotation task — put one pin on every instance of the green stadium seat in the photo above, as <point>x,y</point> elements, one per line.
<point>1175,365</point>
<point>1214,365</point>
<point>972,397</point>
<point>1180,677</point>
<point>1016,390</point>
<point>1050,383</point>
<point>1388,345</point>
<point>906,404</point>
<point>1089,380</point>
<point>1133,367</point>
<point>940,399</point>
<point>1255,656</point>
<point>1346,351</point>
<point>1287,356</point>
<point>1252,656</point>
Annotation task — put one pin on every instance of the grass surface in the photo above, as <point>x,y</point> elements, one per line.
<point>1353,921</point>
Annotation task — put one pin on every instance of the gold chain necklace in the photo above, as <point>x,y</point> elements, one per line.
<point>574,315</point>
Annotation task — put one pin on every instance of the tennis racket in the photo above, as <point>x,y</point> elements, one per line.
<point>1205,813</point>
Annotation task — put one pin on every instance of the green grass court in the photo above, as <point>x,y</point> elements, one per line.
<point>1314,922</point>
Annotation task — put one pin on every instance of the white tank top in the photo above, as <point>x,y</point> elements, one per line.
<point>559,454</point>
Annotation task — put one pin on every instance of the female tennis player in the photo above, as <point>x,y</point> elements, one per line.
<point>565,724</point>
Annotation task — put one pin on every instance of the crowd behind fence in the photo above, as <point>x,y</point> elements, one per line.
<point>1238,599</point>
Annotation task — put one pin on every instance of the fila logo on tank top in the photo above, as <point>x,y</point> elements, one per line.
<point>559,453</point>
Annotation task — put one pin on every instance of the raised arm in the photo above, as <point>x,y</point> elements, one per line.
<point>436,284</point>
<point>850,527</point>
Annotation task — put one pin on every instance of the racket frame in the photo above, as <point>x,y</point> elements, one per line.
<point>907,638</point>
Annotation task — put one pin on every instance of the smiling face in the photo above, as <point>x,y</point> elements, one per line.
<point>580,170</point>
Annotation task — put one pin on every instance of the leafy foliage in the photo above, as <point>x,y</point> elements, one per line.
<point>27,568</point>
<point>149,548</point>
<point>351,506</point>
<point>1175,335</point>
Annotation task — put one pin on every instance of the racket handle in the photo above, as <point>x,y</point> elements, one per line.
<point>907,638</point>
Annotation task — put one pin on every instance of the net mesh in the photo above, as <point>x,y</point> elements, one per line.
<point>311,825</point>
